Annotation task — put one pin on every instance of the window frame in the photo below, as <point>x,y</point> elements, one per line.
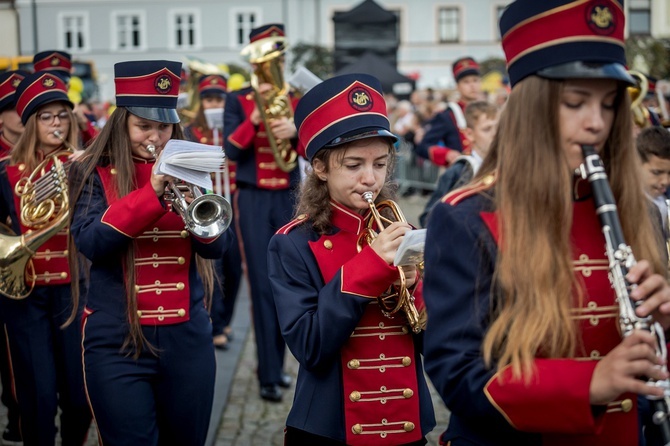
<point>172,29</point>
<point>459,24</point>
<point>234,28</point>
<point>114,16</point>
<point>85,31</point>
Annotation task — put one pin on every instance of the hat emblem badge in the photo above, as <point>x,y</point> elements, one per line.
<point>601,19</point>
<point>360,99</point>
<point>48,82</point>
<point>16,82</point>
<point>55,62</point>
<point>163,84</point>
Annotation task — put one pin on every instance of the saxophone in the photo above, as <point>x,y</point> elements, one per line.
<point>621,259</point>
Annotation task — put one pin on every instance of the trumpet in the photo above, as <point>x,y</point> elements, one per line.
<point>207,216</point>
<point>400,297</point>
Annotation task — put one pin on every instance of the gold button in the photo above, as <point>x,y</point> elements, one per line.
<point>406,361</point>
<point>488,180</point>
<point>355,396</point>
<point>113,171</point>
<point>21,167</point>
<point>328,244</point>
<point>357,429</point>
<point>66,252</point>
<point>63,275</point>
<point>408,393</point>
<point>181,260</point>
<point>354,364</point>
<point>181,312</point>
<point>139,313</point>
<point>301,217</point>
<point>203,140</point>
<point>408,426</point>
<point>180,286</point>
<point>184,234</point>
<point>137,288</point>
<point>627,405</point>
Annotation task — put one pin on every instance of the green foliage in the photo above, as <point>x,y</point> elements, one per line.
<point>316,58</point>
<point>493,64</point>
<point>650,55</point>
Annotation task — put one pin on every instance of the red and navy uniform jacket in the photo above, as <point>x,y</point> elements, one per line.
<point>205,136</point>
<point>249,147</point>
<point>361,378</point>
<point>442,137</point>
<point>5,146</point>
<point>488,405</point>
<point>167,283</point>
<point>50,261</point>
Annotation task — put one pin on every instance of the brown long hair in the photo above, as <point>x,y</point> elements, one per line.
<point>112,147</point>
<point>25,149</point>
<point>313,197</point>
<point>535,285</point>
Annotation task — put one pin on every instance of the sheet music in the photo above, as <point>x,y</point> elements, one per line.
<point>410,251</point>
<point>191,162</point>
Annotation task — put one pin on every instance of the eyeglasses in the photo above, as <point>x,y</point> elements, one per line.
<point>48,117</point>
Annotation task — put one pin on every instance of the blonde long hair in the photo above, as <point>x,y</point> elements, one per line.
<point>25,149</point>
<point>535,285</point>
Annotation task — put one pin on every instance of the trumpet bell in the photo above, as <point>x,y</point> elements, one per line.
<point>209,216</point>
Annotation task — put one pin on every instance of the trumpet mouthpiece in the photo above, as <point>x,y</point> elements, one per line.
<point>58,134</point>
<point>368,196</point>
<point>151,149</point>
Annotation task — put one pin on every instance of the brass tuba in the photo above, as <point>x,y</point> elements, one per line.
<point>265,54</point>
<point>399,297</point>
<point>637,94</point>
<point>45,210</point>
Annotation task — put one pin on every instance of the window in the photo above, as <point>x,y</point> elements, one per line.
<point>498,12</point>
<point>243,22</point>
<point>74,33</point>
<point>128,31</point>
<point>184,31</point>
<point>448,25</point>
<point>639,22</point>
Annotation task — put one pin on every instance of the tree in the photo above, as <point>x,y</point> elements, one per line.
<point>316,58</point>
<point>648,55</point>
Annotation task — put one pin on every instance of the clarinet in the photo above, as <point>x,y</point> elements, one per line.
<point>621,259</point>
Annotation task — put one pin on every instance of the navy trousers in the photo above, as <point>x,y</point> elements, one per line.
<point>153,400</point>
<point>260,213</point>
<point>229,270</point>
<point>47,366</point>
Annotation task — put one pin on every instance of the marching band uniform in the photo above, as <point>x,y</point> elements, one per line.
<point>60,64</point>
<point>163,396</point>
<point>445,131</point>
<point>46,359</point>
<point>263,204</point>
<point>553,407</point>
<point>360,380</point>
<point>9,81</point>
<point>229,267</point>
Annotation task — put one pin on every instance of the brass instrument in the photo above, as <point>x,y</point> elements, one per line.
<point>197,69</point>
<point>207,216</point>
<point>45,209</point>
<point>275,103</point>
<point>637,94</point>
<point>400,297</point>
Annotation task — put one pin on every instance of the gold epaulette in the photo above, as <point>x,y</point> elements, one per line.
<point>456,196</point>
<point>288,227</point>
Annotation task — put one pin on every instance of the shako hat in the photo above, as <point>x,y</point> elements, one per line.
<point>212,84</point>
<point>38,89</point>
<point>339,110</point>
<point>9,81</point>
<point>149,88</point>
<point>465,66</point>
<point>560,39</point>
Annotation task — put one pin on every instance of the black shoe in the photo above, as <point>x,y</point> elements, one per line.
<point>285,381</point>
<point>271,393</point>
<point>12,436</point>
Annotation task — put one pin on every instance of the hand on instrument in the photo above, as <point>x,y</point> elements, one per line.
<point>621,369</point>
<point>158,182</point>
<point>653,291</point>
<point>410,276</point>
<point>255,116</point>
<point>387,241</point>
<point>283,128</point>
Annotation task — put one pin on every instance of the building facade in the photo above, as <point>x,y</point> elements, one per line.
<point>433,33</point>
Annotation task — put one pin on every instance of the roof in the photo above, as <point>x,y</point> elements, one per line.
<point>366,13</point>
<point>371,63</point>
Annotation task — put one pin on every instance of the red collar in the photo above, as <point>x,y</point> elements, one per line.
<point>346,219</point>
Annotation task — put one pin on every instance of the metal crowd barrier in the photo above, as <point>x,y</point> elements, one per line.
<point>412,171</point>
